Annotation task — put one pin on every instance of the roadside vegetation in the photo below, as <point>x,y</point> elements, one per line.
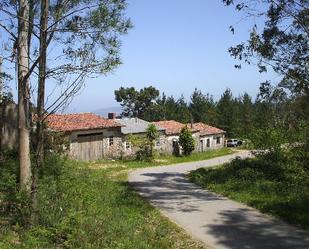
<point>274,183</point>
<point>159,160</point>
<point>82,205</point>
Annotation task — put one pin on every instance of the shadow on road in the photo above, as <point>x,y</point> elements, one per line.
<point>238,229</point>
<point>171,191</point>
<point>234,228</point>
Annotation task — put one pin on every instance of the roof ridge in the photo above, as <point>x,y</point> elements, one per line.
<point>76,113</point>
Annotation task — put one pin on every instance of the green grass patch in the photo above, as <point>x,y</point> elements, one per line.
<point>277,188</point>
<point>168,159</point>
<point>81,206</point>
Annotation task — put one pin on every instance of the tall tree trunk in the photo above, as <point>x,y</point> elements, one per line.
<point>23,97</point>
<point>40,98</point>
<point>1,105</point>
<point>1,81</point>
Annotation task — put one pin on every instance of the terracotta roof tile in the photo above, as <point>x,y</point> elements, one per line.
<point>206,129</point>
<point>172,127</point>
<point>79,121</point>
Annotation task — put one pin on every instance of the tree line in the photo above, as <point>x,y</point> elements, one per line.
<point>280,113</point>
<point>238,116</point>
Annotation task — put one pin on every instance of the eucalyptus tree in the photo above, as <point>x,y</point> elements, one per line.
<point>23,95</point>
<point>279,42</point>
<point>67,41</point>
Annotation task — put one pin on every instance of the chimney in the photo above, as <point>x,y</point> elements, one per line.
<point>192,122</point>
<point>111,115</point>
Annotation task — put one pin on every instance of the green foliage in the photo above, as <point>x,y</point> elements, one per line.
<point>139,144</point>
<point>276,182</point>
<point>227,112</point>
<point>56,142</point>
<point>82,206</point>
<point>281,43</point>
<point>270,138</point>
<point>163,159</point>
<point>152,133</point>
<point>186,141</point>
<point>144,144</point>
<point>15,204</point>
<point>86,34</point>
<point>202,107</point>
<point>135,103</point>
<point>238,116</point>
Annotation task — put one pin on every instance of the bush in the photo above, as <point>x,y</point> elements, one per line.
<point>15,204</point>
<point>144,144</point>
<point>275,182</point>
<point>186,141</point>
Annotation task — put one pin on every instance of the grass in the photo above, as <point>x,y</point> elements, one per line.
<point>82,206</point>
<point>281,190</point>
<point>89,205</point>
<point>168,159</point>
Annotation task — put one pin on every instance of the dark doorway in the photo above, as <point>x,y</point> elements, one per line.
<point>208,143</point>
<point>176,150</point>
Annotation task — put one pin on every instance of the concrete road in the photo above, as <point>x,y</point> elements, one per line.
<point>210,218</point>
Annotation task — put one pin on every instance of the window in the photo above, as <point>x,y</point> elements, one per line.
<point>218,140</point>
<point>111,140</point>
<point>128,145</point>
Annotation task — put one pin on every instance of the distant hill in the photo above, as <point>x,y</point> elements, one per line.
<point>104,111</point>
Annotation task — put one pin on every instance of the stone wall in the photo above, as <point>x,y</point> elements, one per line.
<point>212,143</point>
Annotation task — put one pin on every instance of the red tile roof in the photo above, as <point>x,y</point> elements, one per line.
<point>172,127</point>
<point>79,121</point>
<point>206,129</point>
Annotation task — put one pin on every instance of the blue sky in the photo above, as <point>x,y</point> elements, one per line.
<point>176,46</point>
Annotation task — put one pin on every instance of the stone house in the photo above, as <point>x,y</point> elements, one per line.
<point>169,142</point>
<point>137,127</point>
<point>209,137</point>
<point>89,136</point>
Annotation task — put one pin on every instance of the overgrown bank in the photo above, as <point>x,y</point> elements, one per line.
<point>82,206</point>
<point>277,184</point>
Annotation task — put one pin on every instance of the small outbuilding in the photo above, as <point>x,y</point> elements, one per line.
<point>209,137</point>
<point>169,143</point>
<point>135,126</point>
<point>89,136</point>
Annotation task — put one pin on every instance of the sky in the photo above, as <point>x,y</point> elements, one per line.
<point>176,46</point>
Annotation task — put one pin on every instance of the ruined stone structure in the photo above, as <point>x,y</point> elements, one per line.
<point>92,137</point>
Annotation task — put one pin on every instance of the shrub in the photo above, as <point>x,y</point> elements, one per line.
<point>144,144</point>
<point>15,204</point>
<point>152,135</point>
<point>186,141</point>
